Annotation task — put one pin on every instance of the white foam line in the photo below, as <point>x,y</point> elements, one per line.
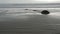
<point>25,14</point>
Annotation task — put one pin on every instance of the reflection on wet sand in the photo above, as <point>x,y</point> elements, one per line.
<point>55,15</point>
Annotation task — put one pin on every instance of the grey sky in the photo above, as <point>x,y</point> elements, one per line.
<point>29,1</point>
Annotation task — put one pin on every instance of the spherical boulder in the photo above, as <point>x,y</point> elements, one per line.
<point>45,12</point>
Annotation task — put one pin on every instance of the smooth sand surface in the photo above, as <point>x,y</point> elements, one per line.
<point>29,23</point>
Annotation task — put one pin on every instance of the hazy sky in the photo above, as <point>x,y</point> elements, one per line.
<point>29,1</point>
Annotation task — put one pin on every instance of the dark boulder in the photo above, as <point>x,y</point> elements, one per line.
<point>26,9</point>
<point>34,10</point>
<point>45,12</point>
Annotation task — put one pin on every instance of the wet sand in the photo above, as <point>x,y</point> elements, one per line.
<point>37,24</point>
<point>30,24</point>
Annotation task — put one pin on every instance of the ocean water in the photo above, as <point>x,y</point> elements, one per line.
<point>21,21</point>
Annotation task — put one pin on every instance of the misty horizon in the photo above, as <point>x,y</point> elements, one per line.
<point>42,5</point>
